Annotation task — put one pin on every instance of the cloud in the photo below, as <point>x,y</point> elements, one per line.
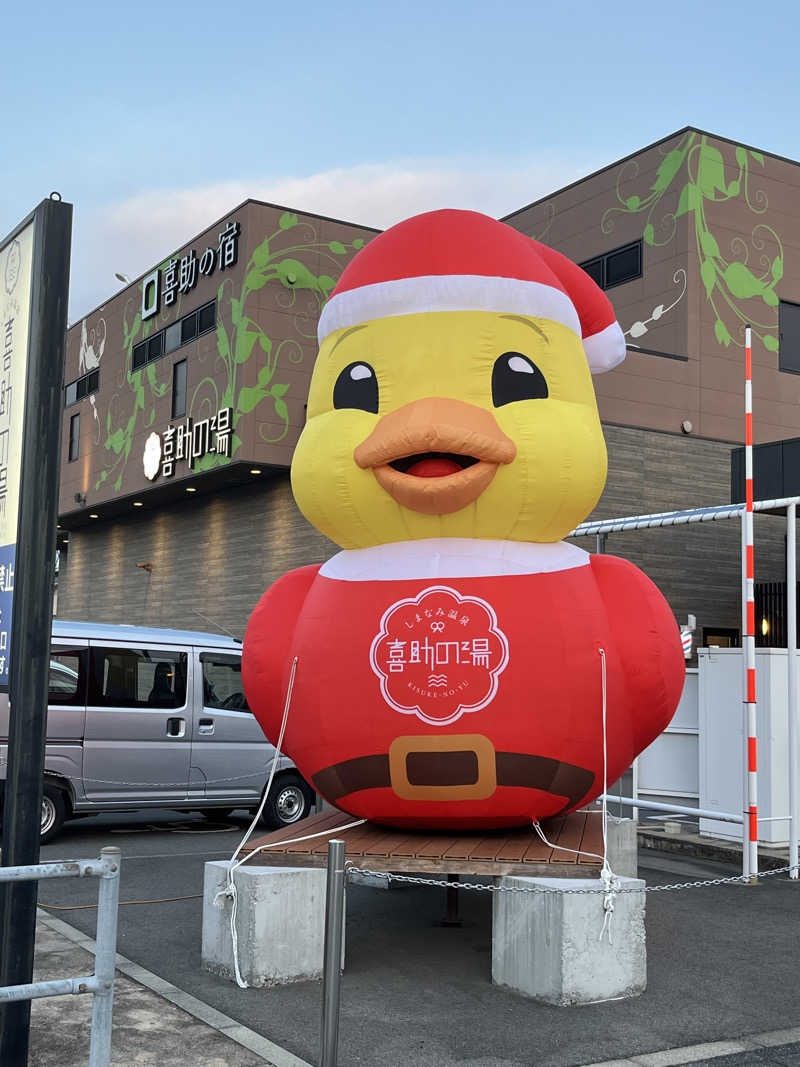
<point>132,235</point>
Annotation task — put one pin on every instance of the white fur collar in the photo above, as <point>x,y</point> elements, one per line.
<point>451,557</point>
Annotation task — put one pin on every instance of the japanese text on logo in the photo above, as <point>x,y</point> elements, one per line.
<point>181,274</point>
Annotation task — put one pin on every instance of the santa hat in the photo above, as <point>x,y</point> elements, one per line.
<point>464,261</point>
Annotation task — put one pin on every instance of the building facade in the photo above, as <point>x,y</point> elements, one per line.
<point>186,391</point>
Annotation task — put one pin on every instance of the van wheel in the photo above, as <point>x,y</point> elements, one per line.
<point>54,812</point>
<point>289,801</point>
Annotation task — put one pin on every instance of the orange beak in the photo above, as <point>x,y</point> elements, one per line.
<point>437,455</point>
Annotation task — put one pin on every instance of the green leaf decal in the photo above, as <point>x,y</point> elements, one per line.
<point>279,390</point>
<point>264,376</point>
<point>261,254</point>
<point>255,280</point>
<point>711,171</point>
<point>770,342</point>
<point>264,341</point>
<point>358,243</point>
<point>708,273</point>
<point>666,172</point>
<point>734,188</point>
<point>777,268</point>
<point>287,220</point>
<point>337,247</point>
<point>741,281</point>
<point>649,234</point>
<point>236,444</point>
<point>118,483</point>
<point>281,409</point>
<point>151,417</point>
<point>250,398</point>
<point>688,200</point>
<point>223,347</point>
<point>758,157</point>
<point>244,345</point>
<point>632,203</point>
<point>770,298</point>
<point>296,275</point>
<point>709,244</point>
<point>741,155</point>
<point>721,333</point>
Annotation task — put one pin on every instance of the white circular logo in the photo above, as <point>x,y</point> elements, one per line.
<point>151,459</point>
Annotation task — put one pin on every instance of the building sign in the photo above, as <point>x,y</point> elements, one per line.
<point>16,267</point>
<point>161,287</point>
<point>186,443</point>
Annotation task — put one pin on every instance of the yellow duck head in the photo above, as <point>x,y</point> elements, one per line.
<point>452,394</point>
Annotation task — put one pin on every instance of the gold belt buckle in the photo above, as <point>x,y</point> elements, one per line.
<point>414,767</point>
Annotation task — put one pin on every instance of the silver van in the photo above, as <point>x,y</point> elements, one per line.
<point>148,718</point>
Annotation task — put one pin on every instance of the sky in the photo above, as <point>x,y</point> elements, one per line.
<point>155,119</point>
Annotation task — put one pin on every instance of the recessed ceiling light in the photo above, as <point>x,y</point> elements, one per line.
<point>93,516</point>
<point>137,503</point>
<point>191,489</point>
<point>254,471</point>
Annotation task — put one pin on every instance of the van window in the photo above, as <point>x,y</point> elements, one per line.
<point>67,676</point>
<point>222,681</point>
<point>137,678</point>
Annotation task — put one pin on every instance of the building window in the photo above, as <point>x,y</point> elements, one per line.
<point>179,390</point>
<point>74,436</point>
<point>81,387</point>
<point>615,267</point>
<point>178,333</point>
<point>789,333</point>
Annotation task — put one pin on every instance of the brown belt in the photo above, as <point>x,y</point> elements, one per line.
<point>416,770</point>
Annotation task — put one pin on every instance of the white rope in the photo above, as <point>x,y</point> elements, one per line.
<point>230,889</point>
<point>610,882</point>
<point>229,892</point>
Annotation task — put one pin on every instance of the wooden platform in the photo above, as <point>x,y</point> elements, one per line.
<point>495,852</point>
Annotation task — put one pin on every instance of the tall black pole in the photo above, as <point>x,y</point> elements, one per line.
<point>33,607</point>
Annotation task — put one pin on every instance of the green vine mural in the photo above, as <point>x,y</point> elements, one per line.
<point>239,336</point>
<point>119,439</point>
<point>236,344</point>
<point>695,173</point>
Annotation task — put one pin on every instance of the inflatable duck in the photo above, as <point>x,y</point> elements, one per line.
<point>449,670</point>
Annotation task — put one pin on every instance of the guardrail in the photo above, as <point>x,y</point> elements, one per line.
<point>101,983</point>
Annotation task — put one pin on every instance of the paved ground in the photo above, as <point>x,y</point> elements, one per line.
<point>722,966</point>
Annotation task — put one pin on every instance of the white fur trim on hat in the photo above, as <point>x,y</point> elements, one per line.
<point>606,349</point>
<point>460,292</point>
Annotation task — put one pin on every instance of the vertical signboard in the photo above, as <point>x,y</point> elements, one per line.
<point>16,270</point>
<point>34,276</point>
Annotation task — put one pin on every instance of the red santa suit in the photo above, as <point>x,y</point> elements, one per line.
<point>457,683</point>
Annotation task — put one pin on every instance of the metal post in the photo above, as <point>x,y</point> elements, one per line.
<point>750,638</point>
<point>105,959</point>
<point>635,786</point>
<point>332,965</point>
<point>745,831</point>
<point>35,538</point>
<point>791,672</point>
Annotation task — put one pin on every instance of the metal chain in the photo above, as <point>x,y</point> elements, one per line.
<point>482,886</point>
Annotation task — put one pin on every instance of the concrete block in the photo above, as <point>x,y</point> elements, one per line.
<point>280,923</point>
<point>547,945</point>
<point>623,847</point>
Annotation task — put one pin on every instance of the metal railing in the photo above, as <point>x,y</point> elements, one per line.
<point>101,983</point>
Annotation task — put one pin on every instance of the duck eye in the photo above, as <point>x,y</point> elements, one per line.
<point>515,377</point>
<point>357,387</point>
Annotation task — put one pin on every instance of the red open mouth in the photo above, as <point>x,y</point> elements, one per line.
<point>433,464</point>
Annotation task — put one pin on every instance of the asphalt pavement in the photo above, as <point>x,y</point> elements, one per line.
<point>722,964</point>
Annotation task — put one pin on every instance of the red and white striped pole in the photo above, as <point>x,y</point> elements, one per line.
<point>750,635</point>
